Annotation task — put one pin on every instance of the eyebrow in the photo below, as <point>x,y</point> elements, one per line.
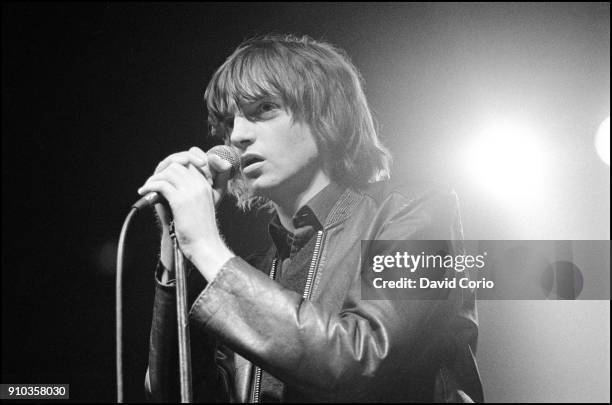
<point>245,105</point>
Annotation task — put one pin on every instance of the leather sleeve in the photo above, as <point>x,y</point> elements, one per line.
<point>162,376</point>
<point>342,353</point>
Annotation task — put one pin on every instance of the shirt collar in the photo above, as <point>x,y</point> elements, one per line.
<point>308,219</point>
<point>316,210</point>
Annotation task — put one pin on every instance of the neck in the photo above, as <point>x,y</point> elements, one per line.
<point>292,201</point>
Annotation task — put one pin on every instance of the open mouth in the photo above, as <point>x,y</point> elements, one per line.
<point>249,160</point>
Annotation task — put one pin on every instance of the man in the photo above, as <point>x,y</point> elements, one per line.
<point>291,325</point>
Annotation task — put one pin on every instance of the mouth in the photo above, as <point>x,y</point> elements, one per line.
<point>249,159</point>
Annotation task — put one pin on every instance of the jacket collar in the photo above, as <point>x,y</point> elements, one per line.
<point>329,207</point>
<point>343,207</point>
<point>308,219</point>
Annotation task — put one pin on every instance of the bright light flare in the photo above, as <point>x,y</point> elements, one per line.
<point>507,160</point>
<point>602,141</point>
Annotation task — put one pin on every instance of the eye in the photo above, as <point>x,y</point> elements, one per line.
<point>267,106</point>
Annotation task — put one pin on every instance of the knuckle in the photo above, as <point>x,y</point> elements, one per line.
<point>174,166</point>
<point>177,157</point>
<point>160,166</point>
<point>199,158</point>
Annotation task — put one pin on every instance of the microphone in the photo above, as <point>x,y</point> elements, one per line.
<point>223,151</point>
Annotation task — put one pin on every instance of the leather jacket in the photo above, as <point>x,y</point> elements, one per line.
<point>327,344</point>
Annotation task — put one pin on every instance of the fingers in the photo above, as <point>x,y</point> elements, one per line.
<point>164,181</point>
<point>194,156</point>
<point>174,173</point>
<point>198,152</point>
<point>196,175</point>
<point>218,165</point>
<point>214,162</point>
<point>159,186</point>
<point>183,171</point>
<point>177,176</point>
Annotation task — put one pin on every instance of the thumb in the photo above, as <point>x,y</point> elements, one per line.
<point>218,164</point>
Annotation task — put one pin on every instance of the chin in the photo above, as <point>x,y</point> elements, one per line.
<point>262,187</point>
<point>258,190</point>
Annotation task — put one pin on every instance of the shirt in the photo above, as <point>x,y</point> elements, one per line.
<point>294,252</point>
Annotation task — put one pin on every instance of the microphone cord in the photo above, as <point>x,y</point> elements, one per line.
<point>229,155</point>
<point>119,304</point>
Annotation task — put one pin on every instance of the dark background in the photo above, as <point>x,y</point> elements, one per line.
<point>94,95</point>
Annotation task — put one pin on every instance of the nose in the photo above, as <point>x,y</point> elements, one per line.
<point>243,133</point>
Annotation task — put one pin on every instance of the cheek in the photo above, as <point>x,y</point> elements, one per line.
<point>294,147</point>
<point>303,143</point>
<point>310,152</point>
<point>299,154</point>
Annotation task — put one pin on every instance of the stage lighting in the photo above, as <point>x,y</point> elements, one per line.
<point>602,141</point>
<point>507,160</point>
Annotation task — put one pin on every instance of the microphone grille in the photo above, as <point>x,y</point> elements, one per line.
<point>228,154</point>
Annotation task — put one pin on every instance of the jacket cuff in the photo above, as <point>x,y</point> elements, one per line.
<point>236,278</point>
<point>170,283</point>
<point>159,270</point>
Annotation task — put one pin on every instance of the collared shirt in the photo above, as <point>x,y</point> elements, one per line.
<point>294,252</point>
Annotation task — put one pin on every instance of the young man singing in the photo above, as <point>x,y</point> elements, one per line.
<point>291,325</point>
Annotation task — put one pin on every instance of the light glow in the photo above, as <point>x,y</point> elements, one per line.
<point>507,160</point>
<point>602,141</point>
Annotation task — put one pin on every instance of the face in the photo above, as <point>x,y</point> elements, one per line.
<point>279,157</point>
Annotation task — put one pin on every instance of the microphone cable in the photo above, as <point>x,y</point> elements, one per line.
<point>119,304</point>
<point>229,155</point>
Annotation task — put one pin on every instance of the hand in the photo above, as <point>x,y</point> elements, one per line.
<point>192,183</point>
<point>216,170</point>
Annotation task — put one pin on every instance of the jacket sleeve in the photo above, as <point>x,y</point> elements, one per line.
<point>345,352</point>
<point>162,376</point>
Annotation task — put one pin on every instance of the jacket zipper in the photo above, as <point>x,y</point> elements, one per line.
<point>255,393</point>
<point>257,379</point>
<point>313,266</point>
